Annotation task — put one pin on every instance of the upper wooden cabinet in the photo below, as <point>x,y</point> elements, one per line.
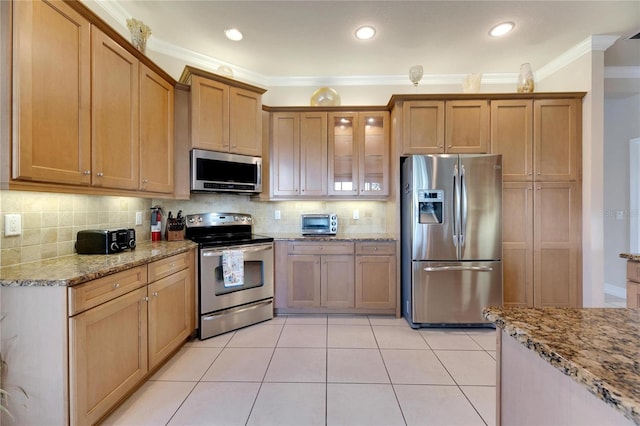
<point>156,132</point>
<point>299,154</point>
<point>51,93</point>
<point>225,113</point>
<point>538,139</point>
<point>452,126</point>
<point>359,153</point>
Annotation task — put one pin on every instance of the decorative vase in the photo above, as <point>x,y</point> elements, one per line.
<point>325,96</point>
<point>525,79</point>
<point>471,83</point>
<point>139,33</point>
<point>415,74</point>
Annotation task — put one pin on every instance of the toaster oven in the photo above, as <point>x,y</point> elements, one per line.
<point>319,224</point>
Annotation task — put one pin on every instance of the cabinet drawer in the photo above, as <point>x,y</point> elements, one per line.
<point>95,292</point>
<point>165,267</point>
<point>633,271</point>
<point>321,248</point>
<point>374,248</point>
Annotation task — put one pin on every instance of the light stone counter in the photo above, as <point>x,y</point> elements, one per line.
<point>340,237</point>
<point>599,348</point>
<point>76,269</point>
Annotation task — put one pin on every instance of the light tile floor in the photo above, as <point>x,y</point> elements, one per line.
<point>319,370</point>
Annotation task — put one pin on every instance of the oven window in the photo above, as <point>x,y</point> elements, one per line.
<point>315,223</point>
<point>224,171</point>
<point>253,277</point>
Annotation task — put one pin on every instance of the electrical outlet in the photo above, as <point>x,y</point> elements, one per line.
<point>12,225</point>
<point>356,214</point>
<point>138,218</point>
<point>276,215</point>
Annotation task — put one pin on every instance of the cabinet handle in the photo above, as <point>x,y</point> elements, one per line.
<point>145,180</point>
<point>146,299</point>
<point>116,285</point>
<point>450,146</point>
<point>172,265</point>
<point>86,172</point>
<point>99,174</point>
<point>154,294</point>
<point>539,188</point>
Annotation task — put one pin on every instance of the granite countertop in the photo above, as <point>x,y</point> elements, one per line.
<point>340,237</point>
<point>76,269</point>
<point>597,347</point>
<point>630,256</point>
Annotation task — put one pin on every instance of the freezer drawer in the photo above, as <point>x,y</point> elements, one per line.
<point>454,292</point>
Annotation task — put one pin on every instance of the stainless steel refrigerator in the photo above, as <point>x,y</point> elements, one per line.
<point>451,238</point>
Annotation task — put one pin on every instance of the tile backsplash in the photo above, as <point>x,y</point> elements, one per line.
<point>51,221</point>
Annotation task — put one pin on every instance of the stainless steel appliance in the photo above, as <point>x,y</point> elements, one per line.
<point>104,241</point>
<point>319,224</point>
<point>451,238</point>
<point>235,272</point>
<point>223,172</point>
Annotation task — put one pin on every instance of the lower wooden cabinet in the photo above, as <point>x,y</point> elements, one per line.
<point>633,284</point>
<point>336,277</point>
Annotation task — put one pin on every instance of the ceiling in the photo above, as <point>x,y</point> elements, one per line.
<point>316,38</point>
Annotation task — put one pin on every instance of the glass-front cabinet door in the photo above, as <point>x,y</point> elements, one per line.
<point>374,154</point>
<point>343,151</point>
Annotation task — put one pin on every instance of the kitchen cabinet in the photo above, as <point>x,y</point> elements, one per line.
<point>539,140</point>
<point>451,126</point>
<point>120,335</point>
<point>52,93</point>
<point>320,275</point>
<point>225,114</point>
<point>633,284</point>
<point>299,154</point>
<point>87,112</point>
<point>359,153</point>
<point>376,286</point>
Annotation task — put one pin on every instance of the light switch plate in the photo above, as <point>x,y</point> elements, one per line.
<point>356,214</point>
<point>276,215</point>
<point>12,225</point>
<point>138,218</point>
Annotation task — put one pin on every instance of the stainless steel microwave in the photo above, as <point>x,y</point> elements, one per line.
<point>319,224</point>
<point>223,172</point>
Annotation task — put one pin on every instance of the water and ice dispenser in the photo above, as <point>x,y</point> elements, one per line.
<point>430,206</point>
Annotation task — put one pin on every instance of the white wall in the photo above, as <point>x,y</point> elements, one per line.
<point>622,124</point>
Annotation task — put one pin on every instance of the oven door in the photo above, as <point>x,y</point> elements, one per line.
<point>216,293</point>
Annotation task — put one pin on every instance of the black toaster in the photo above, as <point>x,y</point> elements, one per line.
<point>103,241</point>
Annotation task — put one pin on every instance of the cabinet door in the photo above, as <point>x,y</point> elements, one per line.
<point>512,136</point>
<point>556,244</point>
<point>114,118</point>
<point>467,127</point>
<point>557,138</point>
<point>169,314</point>
<point>313,153</point>
<point>343,154</point>
<point>376,282</point>
<point>517,243</point>
<point>156,132</point>
<point>107,355</point>
<point>52,73</point>
<point>373,144</point>
<point>633,295</point>
<point>245,122</point>
<point>422,127</point>
<point>209,114</point>
<point>303,279</point>
<point>285,148</point>
<point>338,284</point>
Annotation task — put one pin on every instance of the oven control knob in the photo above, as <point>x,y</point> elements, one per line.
<point>115,247</point>
<point>249,219</point>
<point>236,218</point>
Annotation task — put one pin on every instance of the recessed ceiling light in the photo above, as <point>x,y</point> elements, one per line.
<point>501,29</point>
<point>365,33</point>
<point>233,34</point>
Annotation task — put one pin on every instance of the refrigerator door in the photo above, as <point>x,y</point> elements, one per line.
<point>454,292</point>
<point>480,207</point>
<point>433,241</point>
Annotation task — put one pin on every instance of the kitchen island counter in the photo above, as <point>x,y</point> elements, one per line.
<point>76,269</point>
<point>599,348</point>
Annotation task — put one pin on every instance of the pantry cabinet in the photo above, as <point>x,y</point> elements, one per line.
<point>298,154</point>
<point>358,153</point>
<point>225,114</point>
<point>51,93</point>
<point>439,126</point>
<point>91,114</point>
<point>335,277</point>
<point>539,140</point>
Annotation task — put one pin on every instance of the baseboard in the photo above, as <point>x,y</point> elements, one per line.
<point>615,290</point>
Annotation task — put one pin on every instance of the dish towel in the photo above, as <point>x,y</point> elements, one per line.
<point>233,268</point>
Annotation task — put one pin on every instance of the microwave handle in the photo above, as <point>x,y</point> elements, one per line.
<point>259,174</point>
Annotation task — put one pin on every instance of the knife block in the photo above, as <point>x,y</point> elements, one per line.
<point>174,235</point>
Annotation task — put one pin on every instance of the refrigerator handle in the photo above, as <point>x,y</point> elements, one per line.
<point>463,206</point>
<point>456,203</point>
<point>458,268</point>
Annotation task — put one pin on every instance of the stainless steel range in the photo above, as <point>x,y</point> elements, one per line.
<point>235,283</point>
